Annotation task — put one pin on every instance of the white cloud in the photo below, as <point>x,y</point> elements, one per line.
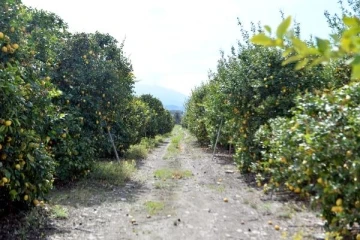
<point>175,43</point>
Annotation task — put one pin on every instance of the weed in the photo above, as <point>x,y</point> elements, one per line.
<point>59,212</point>
<point>253,205</point>
<point>114,173</point>
<point>154,207</point>
<point>167,173</point>
<point>218,188</point>
<point>174,147</point>
<point>137,152</point>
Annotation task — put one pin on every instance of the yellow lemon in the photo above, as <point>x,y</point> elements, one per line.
<point>339,202</point>
<point>36,202</point>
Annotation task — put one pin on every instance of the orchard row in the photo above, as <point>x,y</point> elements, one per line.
<point>296,128</point>
<point>66,100</point>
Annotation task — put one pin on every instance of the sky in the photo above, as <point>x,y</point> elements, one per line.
<point>174,44</point>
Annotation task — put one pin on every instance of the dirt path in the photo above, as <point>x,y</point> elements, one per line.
<point>187,204</point>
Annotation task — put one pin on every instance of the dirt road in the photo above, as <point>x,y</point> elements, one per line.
<point>184,196</point>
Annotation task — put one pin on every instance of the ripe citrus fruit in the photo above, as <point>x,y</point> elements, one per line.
<point>36,202</point>
<point>5,180</point>
<point>8,123</point>
<point>4,49</point>
<point>17,166</point>
<point>26,197</point>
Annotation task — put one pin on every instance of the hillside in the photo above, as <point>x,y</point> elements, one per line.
<point>171,99</point>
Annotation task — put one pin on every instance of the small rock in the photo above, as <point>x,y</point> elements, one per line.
<point>228,235</point>
<point>123,199</point>
<point>229,171</point>
<point>319,236</point>
<point>209,210</point>
<point>320,224</point>
<point>148,216</point>
<point>242,222</point>
<point>168,216</point>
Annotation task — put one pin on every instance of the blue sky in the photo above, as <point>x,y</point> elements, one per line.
<point>174,43</point>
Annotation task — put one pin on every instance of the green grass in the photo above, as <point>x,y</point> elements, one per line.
<point>141,150</point>
<point>114,173</point>
<point>167,173</point>
<point>216,187</point>
<point>136,152</point>
<point>154,207</point>
<point>174,147</point>
<point>59,212</point>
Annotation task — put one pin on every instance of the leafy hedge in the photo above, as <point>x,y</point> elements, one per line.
<point>316,153</point>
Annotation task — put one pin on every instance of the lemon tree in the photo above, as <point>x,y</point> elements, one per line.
<point>26,167</point>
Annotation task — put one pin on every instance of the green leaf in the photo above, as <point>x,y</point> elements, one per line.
<point>355,71</point>
<point>268,28</point>
<point>13,194</point>
<point>323,45</point>
<point>318,61</point>
<point>299,45</point>
<point>262,39</point>
<point>351,21</point>
<point>287,52</point>
<point>301,64</point>
<point>30,157</point>
<point>292,59</point>
<point>283,27</point>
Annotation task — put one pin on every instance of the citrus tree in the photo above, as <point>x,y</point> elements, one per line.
<point>26,167</point>
<point>323,131</point>
<point>160,120</point>
<point>194,117</point>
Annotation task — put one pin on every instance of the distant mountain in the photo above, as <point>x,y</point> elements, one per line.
<point>171,99</point>
<point>173,108</point>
